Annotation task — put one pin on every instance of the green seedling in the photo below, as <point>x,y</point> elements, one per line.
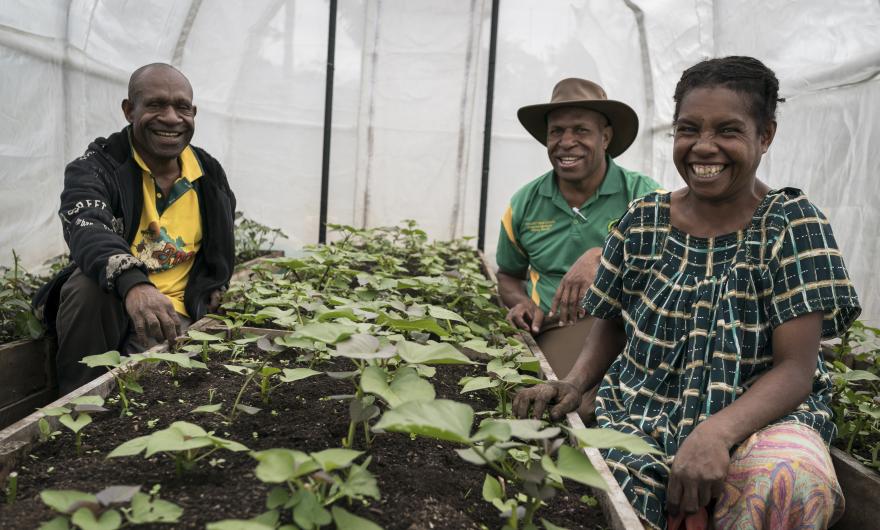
<point>857,412</point>
<point>516,451</point>
<point>504,375</point>
<point>126,379</point>
<point>172,360</point>
<point>17,286</point>
<point>11,487</point>
<point>311,483</point>
<point>855,372</point>
<point>253,239</point>
<point>251,371</point>
<point>185,442</point>
<point>75,416</point>
<point>204,340</point>
<point>111,508</point>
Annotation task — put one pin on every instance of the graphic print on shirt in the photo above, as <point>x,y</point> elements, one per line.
<point>159,251</point>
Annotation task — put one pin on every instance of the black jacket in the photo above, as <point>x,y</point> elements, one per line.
<point>100,212</point>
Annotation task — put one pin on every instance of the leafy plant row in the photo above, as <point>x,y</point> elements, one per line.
<point>393,309</point>
<point>855,369</point>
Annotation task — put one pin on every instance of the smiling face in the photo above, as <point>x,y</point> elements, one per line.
<point>576,143</point>
<point>161,113</point>
<point>718,144</point>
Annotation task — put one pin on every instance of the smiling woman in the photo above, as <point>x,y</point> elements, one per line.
<point>718,293</point>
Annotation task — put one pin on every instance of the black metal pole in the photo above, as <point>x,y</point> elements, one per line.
<point>487,128</point>
<point>328,123</point>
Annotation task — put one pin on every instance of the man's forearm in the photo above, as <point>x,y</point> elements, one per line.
<point>510,289</point>
<point>604,343</point>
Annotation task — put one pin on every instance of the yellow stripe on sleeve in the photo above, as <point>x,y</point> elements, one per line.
<point>507,222</point>
<point>535,277</point>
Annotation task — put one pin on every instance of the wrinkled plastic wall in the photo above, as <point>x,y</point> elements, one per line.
<point>409,101</point>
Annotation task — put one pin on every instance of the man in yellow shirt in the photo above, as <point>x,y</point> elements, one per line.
<point>149,222</point>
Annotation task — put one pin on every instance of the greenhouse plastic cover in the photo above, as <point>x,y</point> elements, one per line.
<point>410,97</point>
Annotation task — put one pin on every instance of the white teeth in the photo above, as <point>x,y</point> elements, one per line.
<point>167,134</point>
<point>707,170</point>
<point>568,159</point>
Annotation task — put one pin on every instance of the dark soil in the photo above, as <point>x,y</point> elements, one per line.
<point>423,483</point>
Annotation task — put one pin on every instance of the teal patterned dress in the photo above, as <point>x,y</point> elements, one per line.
<point>699,315</point>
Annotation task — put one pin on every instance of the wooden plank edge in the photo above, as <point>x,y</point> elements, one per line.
<point>616,507</point>
<point>861,489</point>
<point>12,412</point>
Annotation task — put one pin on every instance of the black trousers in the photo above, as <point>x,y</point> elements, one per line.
<point>90,322</point>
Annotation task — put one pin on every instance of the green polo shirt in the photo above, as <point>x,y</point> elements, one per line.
<point>542,235</point>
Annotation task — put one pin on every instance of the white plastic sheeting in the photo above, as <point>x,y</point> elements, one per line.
<point>410,99</point>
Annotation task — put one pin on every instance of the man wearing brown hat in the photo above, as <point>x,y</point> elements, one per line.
<point>553,231</point>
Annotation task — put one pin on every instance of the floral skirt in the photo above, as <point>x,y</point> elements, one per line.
<point>781,477</point>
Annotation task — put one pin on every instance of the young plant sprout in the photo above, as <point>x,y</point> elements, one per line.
<point>75,416</point>
<point>172,360</point>
<point>111,508</point>
<point>310,484</point>
<point>204,341</point>
<point>516,451</point>
<point>11,487</point>
<point>126,380</point>
<point>504,375</point>
<point>185,442</point>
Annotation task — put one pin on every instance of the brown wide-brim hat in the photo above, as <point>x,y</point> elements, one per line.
<point>580,93</point>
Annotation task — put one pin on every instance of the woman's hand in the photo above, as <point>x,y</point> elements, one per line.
<point>698,471</point>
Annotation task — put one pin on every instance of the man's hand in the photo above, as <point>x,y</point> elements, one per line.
<point>526,315</point>
<point>152,314</point>
<point>574,286</point>
<point>698,471</point>
<point>565,394</point>
<point>214,300</point>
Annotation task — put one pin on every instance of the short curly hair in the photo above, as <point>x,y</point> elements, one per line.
<point>745,75</point>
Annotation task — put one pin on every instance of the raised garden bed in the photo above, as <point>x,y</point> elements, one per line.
<point>861,488</point>
<point>854,362</point>
<point>422,482</point>
<point>27,378</point>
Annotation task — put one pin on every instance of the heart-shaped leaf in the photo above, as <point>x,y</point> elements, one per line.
<point>575,465</point>
<point>349,521</point>
<point>67,501</point>
<point>331,459</point>
<point>406,386</point>
<point>201,336</point>
<point>110,358</point>
<point>420,324</point>
<point>116,494</point>
<point>328,333</point>
<point>280,465</point>
<point>608,438</point>
<point>77,424</point>
<point>441,419</point>
<point>295,374</point>
<point>431,353</point>
<point>210,409</point>
<point>444,314</point>
<point>84,518</point>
